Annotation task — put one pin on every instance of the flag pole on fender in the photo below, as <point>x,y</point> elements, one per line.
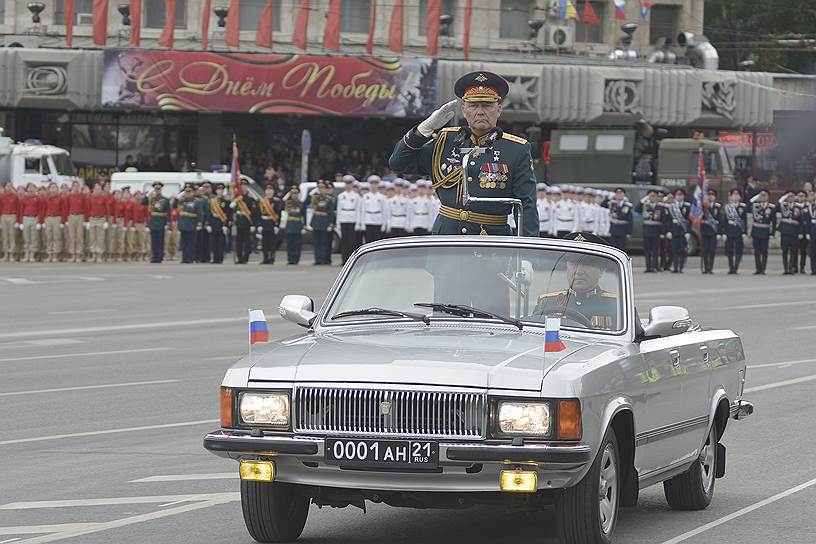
<point>258,328</point>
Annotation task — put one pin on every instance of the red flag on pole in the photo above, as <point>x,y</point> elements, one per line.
<point>135,22</point>
<point>432,14</point>
<point>205,24</point>
<point>235,170</point>
<point>300,36</point>
<point>99,19</point>
<point>590,17</point>
<point>468,17</point>
<point>372,27</point>
<point>331,35</point>
<point>263,34</point>
<point>395,28</point>
<point>233,36</point>
<point>69,22</point>
<point>166,38</point>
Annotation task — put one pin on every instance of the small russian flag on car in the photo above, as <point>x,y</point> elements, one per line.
<point>258,329</point>
<point>552,335</point>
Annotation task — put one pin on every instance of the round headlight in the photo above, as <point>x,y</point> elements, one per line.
<point>265,408</point>
<point>529,418</point>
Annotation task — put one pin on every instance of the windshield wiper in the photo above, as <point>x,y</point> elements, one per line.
<point>383,311</point>
<point>462,310</point>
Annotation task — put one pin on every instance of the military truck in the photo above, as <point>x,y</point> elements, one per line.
<point>32,162</point>
<point>620,156</point>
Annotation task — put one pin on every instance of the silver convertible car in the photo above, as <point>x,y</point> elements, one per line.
<point>443,372</point>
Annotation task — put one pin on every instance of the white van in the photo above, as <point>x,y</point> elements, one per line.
<point>174,181</point>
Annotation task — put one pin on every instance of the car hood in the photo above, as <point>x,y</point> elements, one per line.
<point>497,358</point>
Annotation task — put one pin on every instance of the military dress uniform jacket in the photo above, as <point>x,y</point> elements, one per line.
<point>600,307</point>
<point>712,223</point>
<point>220,212</point>
<point>764,217</point>
<point>620,217</point>
<point>159,209</point>
<point>789,215</point>
<point>735,219</point>
<point>677,218</point>
<point>269,210</point>
<point>323,212</point>
<point>653,218</point>
<point>190,214</point>
<point>246,213</point>
<point>202,202</point>
<point>295,215</point>
<point>505,170</point>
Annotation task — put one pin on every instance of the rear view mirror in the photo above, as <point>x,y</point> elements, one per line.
<point>298,309</point>
<point>667,321</point>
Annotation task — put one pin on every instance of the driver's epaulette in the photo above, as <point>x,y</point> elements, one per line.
<point>552,294</point>
<point>608,294</point>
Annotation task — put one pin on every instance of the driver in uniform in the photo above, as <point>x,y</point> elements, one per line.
<point>584,296</point>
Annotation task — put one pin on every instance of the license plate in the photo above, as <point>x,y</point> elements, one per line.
<point>403,454</point>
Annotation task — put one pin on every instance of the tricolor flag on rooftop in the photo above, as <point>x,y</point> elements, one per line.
<point>567,10</point>
<point>620,9</point>
<point>552,335</point>
<point>258,329</point>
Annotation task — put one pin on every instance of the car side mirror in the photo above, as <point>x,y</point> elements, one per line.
<point>667,321</point>
<point>298,309</point>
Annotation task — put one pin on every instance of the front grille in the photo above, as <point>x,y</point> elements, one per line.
<point>380,412</point>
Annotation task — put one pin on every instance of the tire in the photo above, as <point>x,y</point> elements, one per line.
<point>694,489</point>
<point>579,508</point>
<point>273,512</point>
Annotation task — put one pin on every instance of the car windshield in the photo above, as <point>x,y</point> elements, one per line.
<point>526,284</point>
<point>63,164</point>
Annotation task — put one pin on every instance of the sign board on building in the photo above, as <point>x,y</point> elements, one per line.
<point>269,83</point>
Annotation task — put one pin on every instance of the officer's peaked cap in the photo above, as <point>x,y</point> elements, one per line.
<point>481,87</point>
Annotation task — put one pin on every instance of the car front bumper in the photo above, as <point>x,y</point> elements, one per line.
<point>466,467</point>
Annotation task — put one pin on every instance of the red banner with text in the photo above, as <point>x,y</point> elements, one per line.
<point>269,83</point>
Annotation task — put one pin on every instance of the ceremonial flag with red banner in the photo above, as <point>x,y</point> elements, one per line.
<point>233,36</point>
<point>99,19</point>
<point>468,17</point>
<point>331,34</point>
<point>395,28</point>
<point>432,14</point>
<point>205,24</point>
<point>166,38</point>
<point>69,22</point>
<point>590,17</point>
<point>300,36</point>
<point>135,22</point>
<point>263,35</point>
<point>372,27</point>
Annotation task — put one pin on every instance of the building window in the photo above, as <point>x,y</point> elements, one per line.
<point>251,13</point>
<point>591,33</point>
<point>2,11</point>
<point>663,23</point>
<point>514,17</point>
<point>82,12</point>
<point>355,16</point>
<point>448,8</point>
<point>155,15</point>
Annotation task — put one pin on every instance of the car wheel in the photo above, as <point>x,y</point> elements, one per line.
<point>694,489</point>
<point>273,512</point>
<point>588,512</point>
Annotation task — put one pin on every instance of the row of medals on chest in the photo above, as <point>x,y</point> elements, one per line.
<point>487,180</point>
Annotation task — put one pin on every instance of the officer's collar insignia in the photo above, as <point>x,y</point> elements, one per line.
<point>580,238</point>
<point>480,78</point>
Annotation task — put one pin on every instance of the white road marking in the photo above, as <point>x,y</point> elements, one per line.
<point>748,509</point>
<point>84,387</point>
<point>784,383</point>
<point>40,529</point>
<point>767,305</point>
<point>45,342</point>
<point>113,501</point>
<point>86,354</point>
<point>784,364</point>
<point>673,294</point>
<point>72,312</point>
<point>221,358</point>
<point>107,431</point>
<point>91,278</point>
<point>18,281</point>
<point>186,477</point>
<point>804,328</point>
<point>131,327</point>
<point>9,540</point>
<point>123,522</point>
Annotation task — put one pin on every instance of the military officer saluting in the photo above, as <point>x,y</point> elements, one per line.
<point>620,218</point>
<point>159,209</point>
<point>736,227</point>
<point>710,228</point>
<point>763,228</point>
<point>503,170</point>
<point>652,212</point>
<point>322,224</point>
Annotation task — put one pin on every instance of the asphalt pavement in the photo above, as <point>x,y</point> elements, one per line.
<point>109,377</point>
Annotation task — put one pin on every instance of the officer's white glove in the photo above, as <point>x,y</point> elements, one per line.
<point>662,236</point>
<point>276,230</point>
<point>147,230</point>
<point>62,225</point>
<point>208,228</point>
<point>668,236</point>
<point>437,119</point>
<point>688,236</point>
<point>384,228</point>
<point>87,226</point>
<point>198,227</point>
<point>105,225</point>
<point>16,226</point>
<point>260,230</point>
<point>330,228</point>
<point>251,229</point>
<point>308,228</point>
<point>21,226</point>
<point>303,231</point>
<point>39,226</point>
<point>259,236</point>
<point>807,236</point>
<point>721,237</point>
<point>233,205</point>
<point>225,230</point>
<point>801,236</point>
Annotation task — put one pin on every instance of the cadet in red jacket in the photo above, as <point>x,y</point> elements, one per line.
<point>53,219</point>
<point>29,216</point>
<point>76,207</point>
<point>139,215</point>
<point>97,217</point>
<point>8,220</point>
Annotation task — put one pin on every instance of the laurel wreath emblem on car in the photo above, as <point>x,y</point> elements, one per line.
<point>385,408</point>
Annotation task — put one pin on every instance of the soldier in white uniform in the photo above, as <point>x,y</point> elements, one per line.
<point>348,209</point>
<point>421,210</point>
<point>588,212</point>
<point>544,205</point>
<point>603,217</point>
<point>400,210</point>
<point>373,211</point>
<point>565,214</point>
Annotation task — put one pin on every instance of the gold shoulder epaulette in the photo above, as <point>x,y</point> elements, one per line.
<point>608,294</point>
<point>552,294</point>
<point>450,129</point>
<point>513,138</point>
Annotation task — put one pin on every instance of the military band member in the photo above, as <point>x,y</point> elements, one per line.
<point>295,222</point>
<point>801,202</point>
<point>735,216</point>
<point>763,214</point>
<point>504,170</point>
<point>790,228</point>
<point>620,219</point>
<point>220,214</point>
<point>269,207</point>
<point>652,213</point>
<point>678,229</point>
<point>711,227</point>
<point>159,209</point>
<point>246,217</point>
<point>348,208</point>
<point>322,222</point>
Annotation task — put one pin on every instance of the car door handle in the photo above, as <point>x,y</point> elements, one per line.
<point>704,350</point>
<point>675,357</point>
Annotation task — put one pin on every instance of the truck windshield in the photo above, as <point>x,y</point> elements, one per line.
<point>63,165</point>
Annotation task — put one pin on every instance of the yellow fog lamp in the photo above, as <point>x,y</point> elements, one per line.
<point>257,471</point>
<point>518,481</point>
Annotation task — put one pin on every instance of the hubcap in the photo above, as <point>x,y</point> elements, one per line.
<point>707,460</point>
<point>608,489</point>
